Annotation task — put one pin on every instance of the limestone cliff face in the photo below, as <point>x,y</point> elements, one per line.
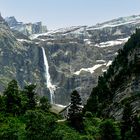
<point>19,60</point>
<point>25,28</point>
<point>76,55</point>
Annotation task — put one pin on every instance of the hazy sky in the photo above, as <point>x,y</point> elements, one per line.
<point>63,13</point>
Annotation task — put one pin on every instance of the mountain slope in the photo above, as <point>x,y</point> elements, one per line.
<point>18,60</point>
<point>120,84</point>
<point>25,28</point>
<point>79,54</point>
<point>76,55</point>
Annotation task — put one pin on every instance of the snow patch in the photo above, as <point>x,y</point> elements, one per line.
<point>87,41</point>
<point>66,53</point>
<point>111,25</point>
<point>104,70</point>
<point>109,63</point>
<point>112,43</point>
<point>24,40</point>
<point>91,70</point>
<point>100,61</point>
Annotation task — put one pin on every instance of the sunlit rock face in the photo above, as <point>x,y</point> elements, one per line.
<point>76,56</point>
<point>79,54</point>
<point>19,59</point>
<point>25,28</point>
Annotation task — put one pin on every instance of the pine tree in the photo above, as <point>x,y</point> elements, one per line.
<point>75,112</point>
<point>92,103</point>
<point>44,104</point>
<point>29,91</point>
<point>109,130</point>
<point>126,120</point>
<point>12,98</point>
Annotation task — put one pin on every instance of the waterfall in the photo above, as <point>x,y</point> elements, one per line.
<point>49,84</point>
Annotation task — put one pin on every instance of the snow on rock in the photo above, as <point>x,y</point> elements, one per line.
<point>24,40</point>
<point>104,70</point>
<point>91,70</point>
<point>110,25</point>
<point>100,61</point>
<point>109,63</point>
<point>112,43</point>
<point>72,29</point>
<point>117,22</point>
<point>87,41</point>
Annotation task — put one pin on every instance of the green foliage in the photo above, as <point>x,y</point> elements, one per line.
<point>136,127</point>
<point>44,104</point>
<point>12,129</point>
<point>12,98</point>
<point>109,131</point>
<point>2,104</point>
<point>126,120</point>
<point>88,114</point>
<point>29,91</point>
<point>130,124</point>
<point>20,123</point>
<point>119,74</point>
<point>75,111</point>
<point>64,132</point>
<point>100,96</point>
<point>91,126</point>
<point>39,125</point>
<point>93,102</point>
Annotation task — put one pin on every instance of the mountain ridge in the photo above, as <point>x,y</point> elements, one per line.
<point>76,57</point>
<point>25,28</point>
<point>120,84</point>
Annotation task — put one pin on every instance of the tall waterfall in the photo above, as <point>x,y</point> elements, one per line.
<point>50,86</point>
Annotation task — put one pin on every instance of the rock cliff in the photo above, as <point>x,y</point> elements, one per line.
<point>26,28</point>
<point>76,55</point>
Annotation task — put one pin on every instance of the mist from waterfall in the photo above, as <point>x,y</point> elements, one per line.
<point>49,84</point>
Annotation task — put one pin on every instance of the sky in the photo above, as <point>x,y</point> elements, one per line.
<point>64,13</point>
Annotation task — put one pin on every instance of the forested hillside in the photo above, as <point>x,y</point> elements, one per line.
<point>111,113</point>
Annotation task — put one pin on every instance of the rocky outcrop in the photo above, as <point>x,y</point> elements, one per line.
<point>19,60</point>
<point>26,28</point>
<point>76,55</point>
<point>12,21</point>
<point>1,18</point>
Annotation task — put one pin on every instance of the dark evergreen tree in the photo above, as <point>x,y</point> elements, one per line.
<point>92,103</point>
<point>136,127</point>
<point>12,98</point>
<point>39,125</point>
<point>126,124</point>
<point>109,130</point>
<point>75,111</point>
<point>2,104</point>
<point>29,91</point>
<point>44,104</point>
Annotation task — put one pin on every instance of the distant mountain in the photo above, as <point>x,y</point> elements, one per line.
<point>12,21</point>
<point>1,18</point>
<point>25,28</point>
<point>17,60</point>
<point>80,54</point>
<point>76,55</point>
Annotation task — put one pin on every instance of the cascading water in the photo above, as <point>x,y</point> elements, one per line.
<point>50,86</point>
